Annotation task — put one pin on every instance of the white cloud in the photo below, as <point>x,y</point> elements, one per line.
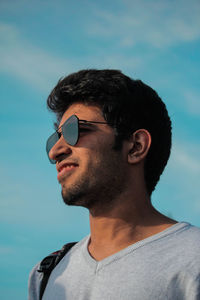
<point>184,170</point>
<point>42,69</point>
<point>185,158</point>
<point>180,190</point>
<point>6,250</point>
<point>192,102</point>
<point>156,23</point>
<point>30,63</point>
<point>12,199</point>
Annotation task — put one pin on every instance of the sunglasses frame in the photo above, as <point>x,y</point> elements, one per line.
<point>61,133</point>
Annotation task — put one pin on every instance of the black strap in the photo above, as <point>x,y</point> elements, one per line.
<point>48,264</point>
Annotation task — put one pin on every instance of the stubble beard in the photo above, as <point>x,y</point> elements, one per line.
<point>76,194</point>
<point>99,186</point>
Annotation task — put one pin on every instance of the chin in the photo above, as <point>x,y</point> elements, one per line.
<point>76,193</point>
<point>76,199</point>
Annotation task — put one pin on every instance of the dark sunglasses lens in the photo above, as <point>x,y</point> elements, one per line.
<point>70,130</point>
<point>52,140</point>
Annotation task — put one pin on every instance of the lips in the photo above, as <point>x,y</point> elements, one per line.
<point>65,169</point>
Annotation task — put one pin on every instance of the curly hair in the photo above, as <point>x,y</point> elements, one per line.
<point>127,104</point>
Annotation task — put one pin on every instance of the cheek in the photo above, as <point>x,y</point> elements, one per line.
<point>97,151</point>
<point>85,157</point>
<point>90,160</point>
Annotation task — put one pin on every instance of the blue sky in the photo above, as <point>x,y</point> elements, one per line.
<point>41,41</point>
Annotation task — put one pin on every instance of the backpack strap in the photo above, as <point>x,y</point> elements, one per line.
<point>48,264</point>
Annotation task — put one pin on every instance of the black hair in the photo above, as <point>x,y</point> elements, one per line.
<point>128,104</point>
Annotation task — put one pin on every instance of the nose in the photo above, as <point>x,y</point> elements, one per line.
<point>60,150</point>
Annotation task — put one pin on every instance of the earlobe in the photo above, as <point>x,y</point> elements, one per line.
<point>140,143</point>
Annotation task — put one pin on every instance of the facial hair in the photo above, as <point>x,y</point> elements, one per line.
<point>100,184</point>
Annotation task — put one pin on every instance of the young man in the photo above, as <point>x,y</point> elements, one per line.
<point>112,143</point>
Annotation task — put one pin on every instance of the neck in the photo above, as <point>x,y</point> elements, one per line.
<point>127,222</point>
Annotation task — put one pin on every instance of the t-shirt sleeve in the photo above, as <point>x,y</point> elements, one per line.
<point>34,283</point>
<point>184,286</point>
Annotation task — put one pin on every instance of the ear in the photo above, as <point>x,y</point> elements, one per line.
<point>140,143</point>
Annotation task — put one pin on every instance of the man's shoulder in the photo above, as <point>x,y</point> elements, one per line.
<point>190,240</point>
<point>184,235</point>
<point>183,246</point>
<point>176,247</point>
<point>189,234</point>
<point>74,247</point>
<point>35,277</point>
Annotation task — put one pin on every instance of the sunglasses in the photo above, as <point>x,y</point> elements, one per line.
<point>70,131</point>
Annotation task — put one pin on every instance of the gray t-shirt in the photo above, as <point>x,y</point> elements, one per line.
<point>163,266</point>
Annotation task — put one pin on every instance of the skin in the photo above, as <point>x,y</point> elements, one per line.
<point>109,183</point>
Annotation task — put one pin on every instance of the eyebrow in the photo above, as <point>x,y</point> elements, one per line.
<point>87,124</point>
<point>96,122</point>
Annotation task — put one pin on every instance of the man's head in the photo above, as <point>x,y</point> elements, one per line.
<point>127,104</point>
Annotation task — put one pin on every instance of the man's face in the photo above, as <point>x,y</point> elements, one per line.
<point>91,173</point>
